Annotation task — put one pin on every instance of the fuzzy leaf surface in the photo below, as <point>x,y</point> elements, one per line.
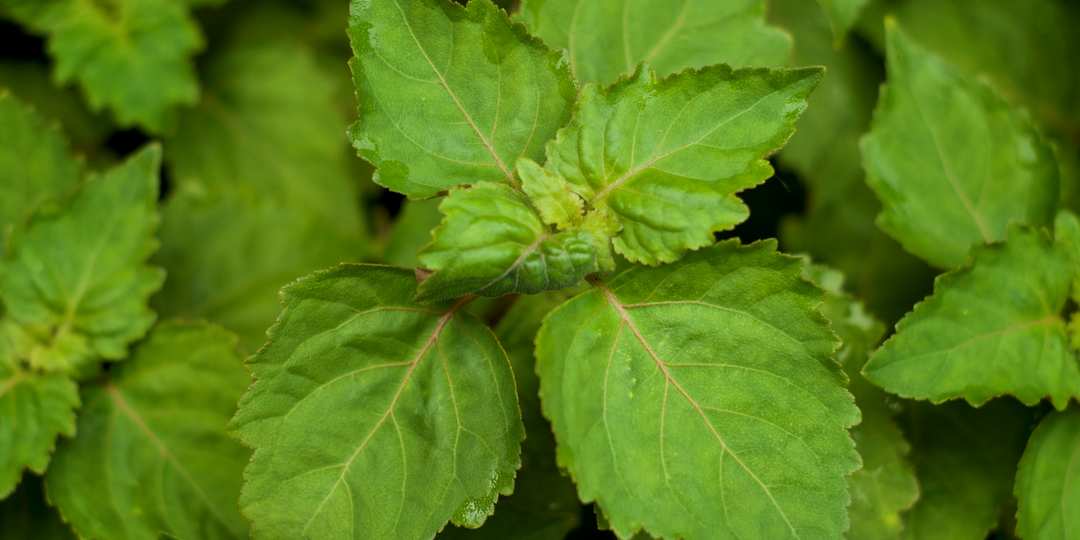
<point>34,409</point>
<point>152,453</point>
<point>1047,485</point>
<point>666,157</point>
<point>133,56</point>
<point>451,95</point>
<point>268,124</point>
<point>374,416</point>
<point>544,505</point>
<point>711,376</point>
<point>885,485</point>
<point>550,195</point>
<point>92,300</point>
<point>607,38</point>
<point>965,460</point>
<point>951,160</point>
<point>492,242</point>
<point>228,254</point>
<point>34,164</point>
<point>991,328</point>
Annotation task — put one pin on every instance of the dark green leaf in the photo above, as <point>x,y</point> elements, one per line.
<point>374,416</point>
<point>26,515</point>
<point>152,453</point>
<point>700,399</point>
<point>1047,484</point>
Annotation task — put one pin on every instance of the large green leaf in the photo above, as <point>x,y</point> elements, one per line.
<point>26,515</point>
<point>152,453</point>
<point>606,38</point>
<point>699,399</point>
<point>544,505</point>
<point>91,300</point>
<point>374,416</point>
<point>965,460</point>
<point>1047,485</point>
<point>951,160</point>
<point>885,484</point>
<point>34,409</point>
<point>665,157</point>
<point>493,243</point>
<point>449,95</point>
<point>268,123</point>
<point>133,56</point>
<point>991,328</point>
<point>34,165</point>
<point>228,255</point>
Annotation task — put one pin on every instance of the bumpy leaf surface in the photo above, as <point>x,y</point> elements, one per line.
<point>152,453</point>
<point>550,195</point>
<point>25,514</point>
<point>965,460</point>
<point>1047,483</point>
<point>34,165</point>
<point>449,95</point>
<point>76,275</point>
<point>951,160</point>
<point>492,242</point>
<point>991,328</point>
<point>710,377</point>
<point>228,255</point>
<point>665,157</point>
<point>374,416</point>
<point>544,505</point>
<point>133,56</point>
<point>606,38</point>
<point>885,484</point>
<point>34,409</point>
<point>268,123</point>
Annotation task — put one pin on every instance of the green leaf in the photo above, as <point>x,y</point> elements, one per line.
<point>268,123</point>
<point>991,328</point>
<point>544,505</point>
<point>412,231</point>
<point>34,409</point>
<point>951,160</point>
<point>550,195</point>
<point>965,460</point>
<point>885,484</point>
<point>1047,487</point>
<point>687,144</point>
<point>449,95</point>
<point>1067,234</point>
<point>607,38</point>
<point>133,56</point>
<point>373,416</point>
<point>842,15</point>
<point>92,300</point>
<point>26,515</point>
<point>492,242</point>
<point>227,256</point>
<point>151,452</point>
<point>710,377</point>
<point>34,165</point>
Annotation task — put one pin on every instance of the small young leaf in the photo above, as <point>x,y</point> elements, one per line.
<point>228,255</point>
<point>374,416</point>
<point>493,243</point>
<point>451,95</point>
<point>991,328</point>
<point>885,484</point>
<point>1047,486</point>
<point>711,377</point>
<point>131,55</point>
<point>26,515</point>
<point>151,452</point>
<point>965,460</point>
<point>34,409</point>
<point>34,165</point>
<point>951,160</point>
<point>550,195</point>
<point>607,38</point>
<point>685,146</point>
<point>90,301</point>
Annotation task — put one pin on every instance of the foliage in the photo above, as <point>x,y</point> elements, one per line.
<point>534,294</point>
